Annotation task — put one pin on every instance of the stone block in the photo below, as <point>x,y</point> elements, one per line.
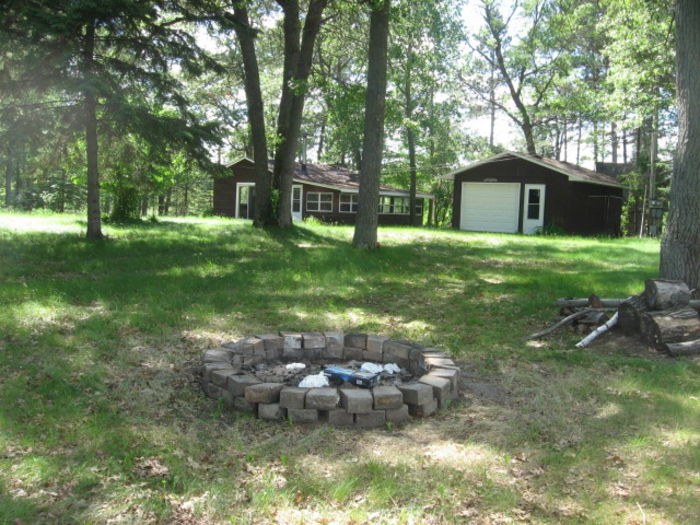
<point>252,346</point>
<point>271,341</point>
<point>416,393</point>
<point>439,362</point>
<point>252,360</point>
<point>292,397</point>
<point>332,352</point>
<point>416,360</point>
<point>398,415</point>
<point>208,368</point>
<point>237,384</point>
<point>291,339</point>
<point>235,346</point>
<point>397,352</point>
<point>387,397</point>
<point>292,354</point>
<point>228,398</point>
<point>374,350</point>
<point>356,340</point>
<point>263,393</point>
<point>272,411</point>
<point>302,415</point>
<point>273,354</point>
<point>220,377</point>
<point>352,353</point>
<point>373,419</point>
<point>338,417</point>
<point>322,398</point>
<point>450,373</point>
<point>313,340</point>
<point>312,354</point>
<point>442,387</point>
<point>217,355</point>
<point>242,405</point>
<point>423,410</point>
<point>213,391</point>
<point>356,400</point>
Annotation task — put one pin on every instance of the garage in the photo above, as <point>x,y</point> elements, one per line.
<point>521,193</point>
<point>490,207</point>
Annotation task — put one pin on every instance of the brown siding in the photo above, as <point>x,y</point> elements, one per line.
<point>225,200</point>
<point>225,190</point>
<point>574,207</point>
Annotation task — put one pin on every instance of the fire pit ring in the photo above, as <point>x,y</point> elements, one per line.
<point>236,373</point>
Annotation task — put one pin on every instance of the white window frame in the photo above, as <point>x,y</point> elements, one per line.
<point>318,202</point>
<point>353,203</point>
<point>392,205</point>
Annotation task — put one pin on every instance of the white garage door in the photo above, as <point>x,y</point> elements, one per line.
<point>490,207</point>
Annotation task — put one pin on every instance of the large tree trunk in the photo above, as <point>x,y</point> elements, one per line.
<point>94,224</point>
<point>9,175</point>
<point>680,249</point>
<point>256,118</point>
<point>297,67</point>
<point>373,143</point>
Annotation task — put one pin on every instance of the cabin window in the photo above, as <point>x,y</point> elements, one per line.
<point>348,202</point>
<point>319,201</point>
<point>398,205</point>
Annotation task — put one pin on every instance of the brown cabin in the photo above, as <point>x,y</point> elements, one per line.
<point>328,193</point>
<point>520,193</point>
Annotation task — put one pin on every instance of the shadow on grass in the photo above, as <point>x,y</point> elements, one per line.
<point>93,352</point>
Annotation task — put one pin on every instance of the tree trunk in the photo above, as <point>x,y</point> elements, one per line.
<point>297,67</point>
<point>373,143</point>
<point>168,199</point>
<point>161,204</point>
<point>321,137</point>
<point>613,141</point>
<point>94,221</point>
<point>624,146</point>
<point>578,141</point>
<point>9,175</point>
<point>680,249</point>
<point>411,139</point>
<point>144,206</point>
<point>256,118</point>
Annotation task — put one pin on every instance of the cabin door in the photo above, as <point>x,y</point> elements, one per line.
<point>533,209</point>
<point>245,200</point>
<point>296,202</point>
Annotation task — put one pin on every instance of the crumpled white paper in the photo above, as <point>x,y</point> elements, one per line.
<point>372,368</point>
<point>314,381</point>
<point>392,368</point>
<point>295,366</point>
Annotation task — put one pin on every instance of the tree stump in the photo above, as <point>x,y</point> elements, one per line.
<point>664,294</point>
<point>669,326</point>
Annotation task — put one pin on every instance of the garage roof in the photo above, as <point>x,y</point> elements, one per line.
<point>572,171</point>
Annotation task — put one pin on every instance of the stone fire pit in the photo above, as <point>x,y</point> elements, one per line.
<point>250,376</point>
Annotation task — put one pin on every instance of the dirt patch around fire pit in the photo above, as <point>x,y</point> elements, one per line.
<point>262,375</point>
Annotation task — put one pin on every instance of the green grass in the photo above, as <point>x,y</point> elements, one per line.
<point>100,421</point>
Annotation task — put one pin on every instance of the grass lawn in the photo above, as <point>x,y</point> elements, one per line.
<point>100,421</point>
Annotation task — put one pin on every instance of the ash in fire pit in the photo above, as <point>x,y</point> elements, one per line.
<point>259,375</point>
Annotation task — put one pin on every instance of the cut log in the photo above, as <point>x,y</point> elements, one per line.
<point>664,294</point>
<point>607,303</point>
<point>669,326</point>
<point>629,312</point>
<point>684,348</point>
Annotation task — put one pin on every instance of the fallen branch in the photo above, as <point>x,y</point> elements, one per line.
<point>567,320</point>
<point>595,333</point>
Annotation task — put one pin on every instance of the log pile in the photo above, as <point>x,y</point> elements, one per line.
<point>663,316</point>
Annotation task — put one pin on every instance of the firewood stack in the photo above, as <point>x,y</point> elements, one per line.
<point>664,317</point>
